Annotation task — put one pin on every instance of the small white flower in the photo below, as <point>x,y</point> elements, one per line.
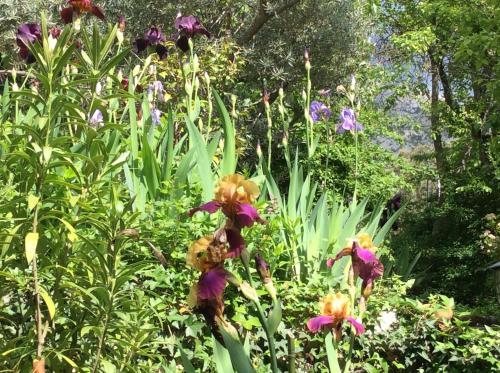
<point>385,321</point>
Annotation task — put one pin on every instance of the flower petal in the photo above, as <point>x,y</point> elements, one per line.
<point>67,15</point>
<point>365,255</point>
<point>140,45</point>
<point>246,215</point>
<point>161,51</point>
<point>97,11</point>
<point>212,284</point>
<point>360,329</point>
<point>340,130</point>
<point>236,243</point>
<point>317,323</point>
<point>344,252</point>
<point>209,207</point>
<point>183,43</point>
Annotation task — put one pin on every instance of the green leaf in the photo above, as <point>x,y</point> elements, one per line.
<point>68,360</point>
<point>239,359</point>
<point>188,367</point>
<point>30,244</point>
<point>48,302</point>
<point>203,159</point>
<point>108,367</point>
<point>383,231</point>
<point>151,169</point>
<point>228,164</point>
<point>222,358</point>
<point>274,319</point>
<point>331,352</point>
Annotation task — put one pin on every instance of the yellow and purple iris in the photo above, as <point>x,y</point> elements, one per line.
<point>152,37</point>
<point>334,311</point>
<point>187,27</point>
<point>78,7</point>
<point>364,262</point>
<point>348,122</point>
<point>234,196</point>
<point>207,255</point>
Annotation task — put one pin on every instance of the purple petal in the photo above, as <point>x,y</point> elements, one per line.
<point>209,207</point>
<point>340,130</point>
<point>261,263</point>
<point>154,36</point>
<point>161,51</point>
<point>212,284</point>
<point>246,215</point>
<point>156,116</point>
<point>347,114</point>
<point>140,45</point>
<point>27,34</point>
<point>191,26</point>
<point>359,127</point>
<point>236,243</point>
<point>317,323</point>
<point>67,15</point>
<point>96,118</point>
<point>366,264</point>
<point>360,329</point>
<point>183,43</point>
<point>364,255</point>
<point>97,11</point>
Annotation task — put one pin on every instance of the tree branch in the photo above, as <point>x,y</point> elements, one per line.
<point>262,17</point>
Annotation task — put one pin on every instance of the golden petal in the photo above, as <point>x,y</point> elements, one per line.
<point>193,255</point>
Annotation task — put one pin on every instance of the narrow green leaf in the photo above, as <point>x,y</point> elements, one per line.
<point>379,237</point>
<point>188,367</point>
<point>203,161</point>
<point>222,358</point>
<point>48,302</point>
<point>229,160</point>
<point>30,244</point>
<point>331,351</point>
<point>239,359</point>
<point>150,169</point>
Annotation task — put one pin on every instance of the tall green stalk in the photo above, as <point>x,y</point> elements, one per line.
<point>262,318</point>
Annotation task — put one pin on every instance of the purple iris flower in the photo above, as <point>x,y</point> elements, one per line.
<point>319,111</point>
<point>348,122</point>
<point>156,116</point>
<point>187,27</point>
<point>155,88</point>
<point>153,37</point>
<point>212,283</point>
<point>27,34</point>
<point>96,119</point>
<point>365,265</point>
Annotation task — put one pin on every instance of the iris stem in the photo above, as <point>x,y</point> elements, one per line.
<point>263,321</point>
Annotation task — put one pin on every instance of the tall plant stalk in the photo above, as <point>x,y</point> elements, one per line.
<point>263,319</point>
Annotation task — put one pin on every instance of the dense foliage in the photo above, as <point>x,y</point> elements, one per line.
<point>289,130</point>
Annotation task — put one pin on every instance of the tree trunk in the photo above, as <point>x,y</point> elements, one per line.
<point>435,127</point>
<point>262,16</point>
